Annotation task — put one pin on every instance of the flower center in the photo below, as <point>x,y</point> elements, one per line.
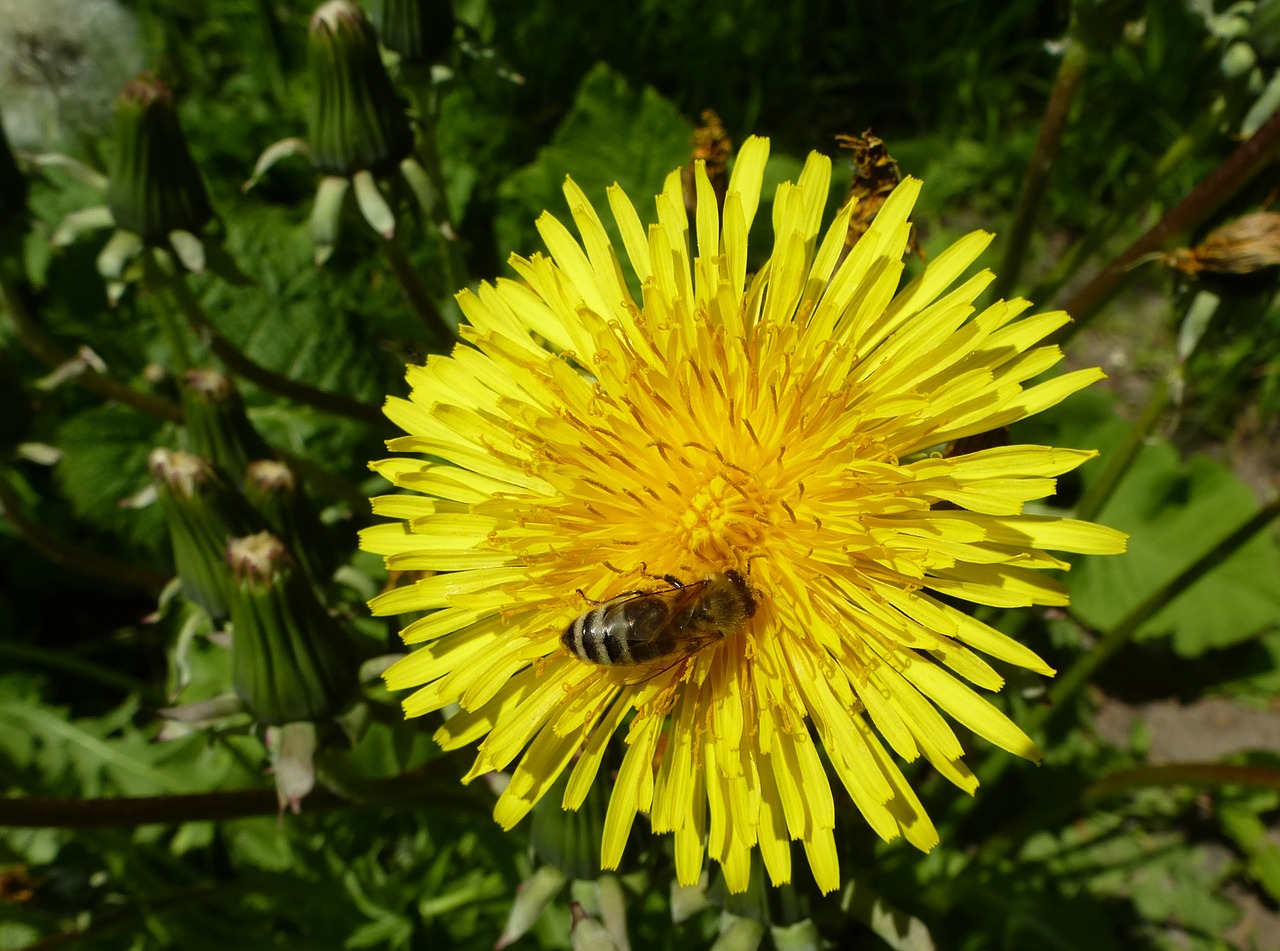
<point>724,518</point>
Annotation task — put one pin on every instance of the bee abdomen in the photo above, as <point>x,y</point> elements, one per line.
<point>617,634</point>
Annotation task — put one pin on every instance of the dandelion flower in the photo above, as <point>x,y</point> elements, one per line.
<point>785,425</point>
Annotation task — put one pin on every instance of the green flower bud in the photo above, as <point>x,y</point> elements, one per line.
<point>801,936</point>
<point>588,934</point>
<point>357,121</point>
<point>13,193</point>
<point>739,934</point>
<point>290,659</point>
<point>534,895</point>
<point>272,488</point>
<point>216,422</point>
<point>154,187</point>
<point>570,841</point>
<point>420,31</point>
<point>202,512</point>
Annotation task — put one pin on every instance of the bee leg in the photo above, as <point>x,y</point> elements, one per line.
<point>672,580</point>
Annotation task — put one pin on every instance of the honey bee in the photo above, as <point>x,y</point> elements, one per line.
<point>654,630</point>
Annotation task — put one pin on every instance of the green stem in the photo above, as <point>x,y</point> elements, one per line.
<point>1075,57</point>
<point>105,924</point>
<point>32,534</point>
<point>84,669</point>
<point>1226,181</point>
<point>424,788</point>
<point>416,293</point>
<point>426,97</point>
<point>169,325</point>
<point>1119,459</point>
<point>1211,775</point>
<point>1069,684</point>
<point>237,361</point>
<point>1116,217</point>
<point>53,356</point>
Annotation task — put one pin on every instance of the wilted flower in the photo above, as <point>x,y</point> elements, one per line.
<point>61,64</point>
<point>785,427</point>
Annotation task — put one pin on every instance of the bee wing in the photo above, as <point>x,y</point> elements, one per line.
<point>633,674</point>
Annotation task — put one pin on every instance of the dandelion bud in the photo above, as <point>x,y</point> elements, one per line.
<point>216,422</point>
<point>801,936</point>
<point>534,894</point>
<point>290,660</point>
<point>154,187</point>
<point>1244,246</point>
<point>202,512</point>
<point>272,488</point>
<point>418,30</point>
<point>357,121</point>
<point>588,934</point>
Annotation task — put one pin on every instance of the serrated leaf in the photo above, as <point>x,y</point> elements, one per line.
<point>613,133</point>
<point>104,455</point>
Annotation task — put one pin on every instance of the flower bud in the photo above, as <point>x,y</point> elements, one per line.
<point>418,30</point>
<point>216,422</point>
<point>272,488</point>
<point>202,512</point>
<point>290,659</point>
<point>154,187</point>
<point>588,934</point>
<point>533,895</point>
<point>1244,246</point>
<point>357,121</point>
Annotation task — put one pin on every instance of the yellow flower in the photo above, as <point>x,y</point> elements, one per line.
<point>786,426</point>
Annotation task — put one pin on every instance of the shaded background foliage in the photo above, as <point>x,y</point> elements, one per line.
<point>1051,857</point>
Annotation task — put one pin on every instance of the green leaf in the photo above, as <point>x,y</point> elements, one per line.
<point>613,133</point>
<point>1174,511</point>
<point>104,460</point>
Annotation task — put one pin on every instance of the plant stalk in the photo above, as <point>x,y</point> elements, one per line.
<point>417,295</point>
<point>1114,220</point>
<point>238,362</point>
<point>1066,85</point>
<point>53,356</point>
<point>32,534</point>
<point>1069,684</point>
<point>1119,459</point>
<point>1210,775</point>
<point>1226,181</point>
<point>423,788</point>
